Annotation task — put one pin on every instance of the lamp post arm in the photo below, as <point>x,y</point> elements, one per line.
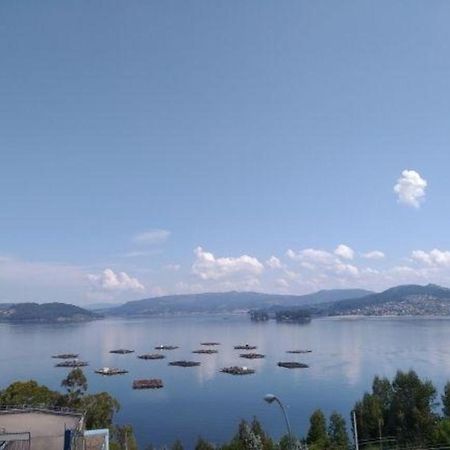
<point>288,425</point>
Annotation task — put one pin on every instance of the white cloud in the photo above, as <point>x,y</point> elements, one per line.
<point>108,280</point>
<point>374,254</point>
<point>347,269</point>
<point>207,267</point>
<point>312,256</point>
<point>344,252</point>
<point>274,263</point>
<point>435,257</point>
<point>152,237</point>
<point>410,188</point>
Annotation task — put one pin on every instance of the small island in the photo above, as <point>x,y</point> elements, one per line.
<point>45,313</point>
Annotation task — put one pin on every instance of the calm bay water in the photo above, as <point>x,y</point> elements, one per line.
<point>347,353</point>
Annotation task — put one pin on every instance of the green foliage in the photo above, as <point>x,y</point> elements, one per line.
<point>337,432</point>
<point>411,416</point>
<point>75,384</point>
<point>177,445</point>
<point>122,438</point>
<point>403,409</point>
<point>250,436</point>
<point>29,393</point>
<point>100,409</point>
<point>442,433</point>
<point>446,400</point>
<point>317,435</point>
<point>203,445</point>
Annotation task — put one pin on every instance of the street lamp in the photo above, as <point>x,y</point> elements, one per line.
<point>270,398</point>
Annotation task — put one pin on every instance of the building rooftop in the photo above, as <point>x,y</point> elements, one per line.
<point>46,428</point>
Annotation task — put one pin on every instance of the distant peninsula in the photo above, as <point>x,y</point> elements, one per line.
<point>44,313</point>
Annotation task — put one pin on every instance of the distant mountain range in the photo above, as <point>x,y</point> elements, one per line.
<point>227,302</point>
<point>406,300</point>
<point>412,300</point>
<point>44,313</point>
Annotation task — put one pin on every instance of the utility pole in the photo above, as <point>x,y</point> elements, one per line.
<point>355,430</point>
<point>379,432</point>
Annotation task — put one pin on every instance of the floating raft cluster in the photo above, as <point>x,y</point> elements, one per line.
<point>245,347</point>
<point>205,351</point>
<point>210,343</point>
<point>66,356</point>
<point>293,365</point>
<point>110,371</point>
<point>184,363</point>
<point>72,363</point>
<point>299,352</point>
<point>236,370</point>
<point>252,355</point>
<point>151,356</point>
<point>154,383</point>
<point>121,351</point>
<point>166,347</point>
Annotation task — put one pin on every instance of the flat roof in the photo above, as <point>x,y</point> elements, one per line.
<point>45,427</point>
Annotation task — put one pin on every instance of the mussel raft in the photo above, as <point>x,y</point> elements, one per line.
<point>252,355</point>
<point>151,356</point>
<point>245,347</point>
<point>110,371</point>
<point>121,351</point>
<point>166,347</point>
<point>299,352</point>
<point>184,363</point>
<point>72,364</point>
<point>66,356</point>
<point>154,383</point>
<point>293,365</point>
<point>210,343</point>
<point>236,370</point>
<point>205,351</point>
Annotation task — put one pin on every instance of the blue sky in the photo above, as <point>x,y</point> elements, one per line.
<point>153,147</point>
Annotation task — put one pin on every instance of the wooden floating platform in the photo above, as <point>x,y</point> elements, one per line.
<point>66,356</point>
<point>245,347</point>
<point>110,371</point>
<point>72,364</point>
<point>205,351</point>
<point>184,363</point>
<point>151,356</point>
<point>154,383</point>
<point>166,347</point>
<point>236,370</point>
<point>293,365</point>
<point>121,351</point>
<point>210,343</point>
<point>299,352</point>
<point>252,355</point>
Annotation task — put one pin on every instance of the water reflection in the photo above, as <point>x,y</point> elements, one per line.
<point>201,400</point>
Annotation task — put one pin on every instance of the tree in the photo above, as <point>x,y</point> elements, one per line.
<point>29,393</point>
<point>446,400</point>
<point>203,445</point>
<point>337,432</point>
<point>411,416</point>
<point>122,437</point>
<point>75,384</point>
<point>100,409</point>
<point>317,435</point>
<point>177,445</point>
